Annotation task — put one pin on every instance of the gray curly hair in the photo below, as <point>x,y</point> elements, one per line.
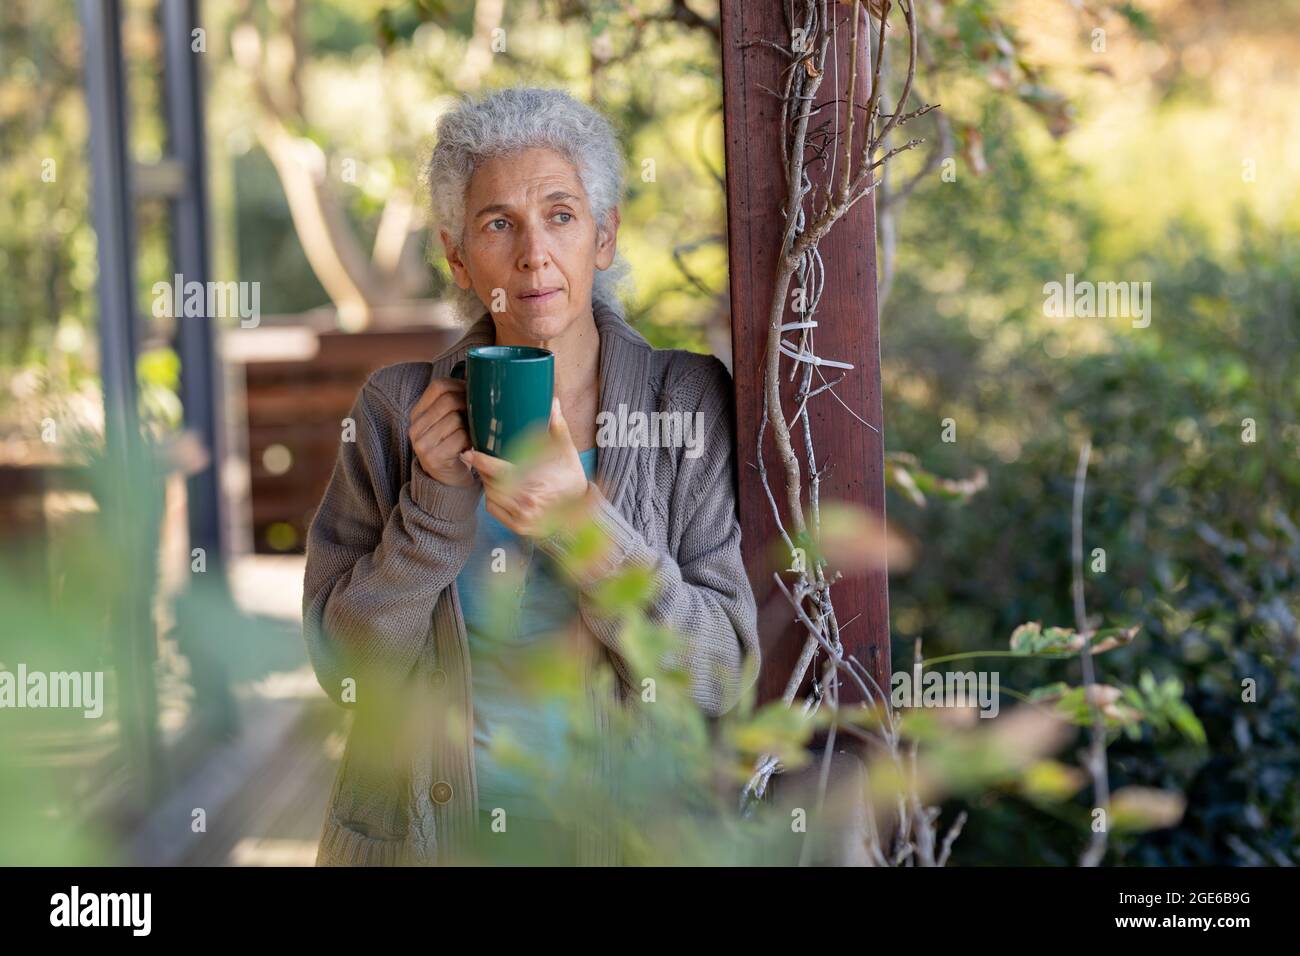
<point>514,119</point>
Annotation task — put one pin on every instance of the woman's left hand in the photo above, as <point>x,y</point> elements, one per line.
<point>521,498</point>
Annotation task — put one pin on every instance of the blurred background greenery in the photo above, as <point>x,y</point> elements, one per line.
<point>1163,149</point>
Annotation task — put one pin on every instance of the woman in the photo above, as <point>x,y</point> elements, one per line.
<point>525,185</point>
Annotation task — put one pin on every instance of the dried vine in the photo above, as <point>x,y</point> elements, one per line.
<point>809,214</point>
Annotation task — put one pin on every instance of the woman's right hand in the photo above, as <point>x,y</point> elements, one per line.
<point>439,432</point>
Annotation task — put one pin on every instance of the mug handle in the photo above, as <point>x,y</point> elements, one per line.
<point>458,370</point>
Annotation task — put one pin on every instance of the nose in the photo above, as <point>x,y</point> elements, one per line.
<point>533,256</point>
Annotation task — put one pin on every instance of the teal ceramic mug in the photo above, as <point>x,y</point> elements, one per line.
<point>508,391</point>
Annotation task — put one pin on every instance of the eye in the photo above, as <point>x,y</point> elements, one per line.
<point>565,221</point>
<point>493,223</point>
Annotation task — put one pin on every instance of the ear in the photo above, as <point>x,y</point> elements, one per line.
<point>459,271</point>
<point>607,240</point>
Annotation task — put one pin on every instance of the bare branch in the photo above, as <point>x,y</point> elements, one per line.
<point>1096,757</point>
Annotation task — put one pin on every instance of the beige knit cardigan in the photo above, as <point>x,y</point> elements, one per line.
<point>382,618</point>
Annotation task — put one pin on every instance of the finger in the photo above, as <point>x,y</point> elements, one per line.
<point>561,437</point>
<point>438,427</point>
<point>455,443</point>
<point>432,392</point>
<point>444,451</point>
<point>558,425</point>
<point>443,404</point>
<point>497,469</point>
<point>437,434</point>
<point>436,389</point>
<point>446,405</point>
<point>523,506</point>
<point>501,509</point>
<point>430,444</point>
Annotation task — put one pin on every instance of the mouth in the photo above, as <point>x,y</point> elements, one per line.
<point>543,294</point>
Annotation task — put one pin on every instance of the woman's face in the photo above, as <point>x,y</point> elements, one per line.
<point>529,229</point>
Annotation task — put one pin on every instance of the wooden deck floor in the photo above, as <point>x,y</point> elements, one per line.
<point>263,793</point>
<point>274,819</point>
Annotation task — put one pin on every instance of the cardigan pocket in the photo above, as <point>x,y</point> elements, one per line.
<point>342,844</point>
<point>367,820</point>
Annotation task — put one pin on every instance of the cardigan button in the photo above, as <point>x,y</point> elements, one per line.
<point>438,677</point>
<point>440,792</point>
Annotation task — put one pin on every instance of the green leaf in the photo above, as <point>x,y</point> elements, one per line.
<point>630,588</point>
<point>776,729</point>
<point>1032,638</point>
<point>1139,19</point>
<point>1050,781</point>
<point>905,474</point>
<point>1135,809</point>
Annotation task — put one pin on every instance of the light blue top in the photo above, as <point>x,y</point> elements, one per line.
<point>500,623</point>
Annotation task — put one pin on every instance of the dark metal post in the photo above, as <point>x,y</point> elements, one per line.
<point>200,380</point>
<point>133,632</point>
<point>196,345</point>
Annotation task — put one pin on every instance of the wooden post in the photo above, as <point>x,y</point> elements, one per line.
<point>849,331</point>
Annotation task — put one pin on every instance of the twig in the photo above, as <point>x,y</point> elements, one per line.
<point>1096,756</point>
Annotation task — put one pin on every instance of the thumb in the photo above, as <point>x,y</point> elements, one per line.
<point>559,429</point>
<point>558,426</point>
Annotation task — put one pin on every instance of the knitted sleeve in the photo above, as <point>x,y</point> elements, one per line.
<point>381,548</point>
